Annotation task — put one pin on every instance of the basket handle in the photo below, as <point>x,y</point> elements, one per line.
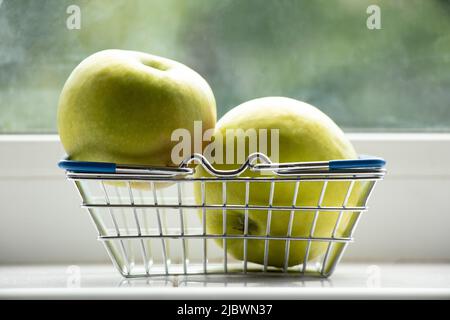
<point>364,162</point>
<point>249,163</point>
<point>87,166</point>
<point>264,164</point>
<point>111,168</point>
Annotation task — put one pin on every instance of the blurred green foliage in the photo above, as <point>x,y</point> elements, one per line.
<point>321,52</point>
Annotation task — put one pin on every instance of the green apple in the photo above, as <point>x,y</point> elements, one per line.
<point>305,134</point>
<point>122,106</point>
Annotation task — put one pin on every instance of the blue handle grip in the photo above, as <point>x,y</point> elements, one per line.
<point>87,166</point>
<point>363,162</point>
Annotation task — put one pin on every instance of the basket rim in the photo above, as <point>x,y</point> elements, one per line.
<point>365,167</point>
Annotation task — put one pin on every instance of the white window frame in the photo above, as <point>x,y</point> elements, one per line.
<point>409,217</point>
<point>408,154</point>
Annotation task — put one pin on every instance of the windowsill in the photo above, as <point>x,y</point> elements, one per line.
<point>350,281</point>
<point>409,206</point>
<point>407,154</point>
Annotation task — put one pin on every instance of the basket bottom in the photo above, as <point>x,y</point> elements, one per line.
<point>233,269</point>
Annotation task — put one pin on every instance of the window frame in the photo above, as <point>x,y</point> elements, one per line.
<point>395,229</point>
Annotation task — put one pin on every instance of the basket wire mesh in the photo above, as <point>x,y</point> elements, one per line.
<point>152,224</point>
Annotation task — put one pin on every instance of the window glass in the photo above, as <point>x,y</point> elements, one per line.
<point>328,53</point>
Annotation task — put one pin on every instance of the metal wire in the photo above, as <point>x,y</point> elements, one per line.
<point>191,258</point>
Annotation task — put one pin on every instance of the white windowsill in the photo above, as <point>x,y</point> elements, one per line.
<point>350,281</point>
<point>41,221</point>
<point>411,154</point>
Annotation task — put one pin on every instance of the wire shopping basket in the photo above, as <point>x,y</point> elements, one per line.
<point>278,218</point>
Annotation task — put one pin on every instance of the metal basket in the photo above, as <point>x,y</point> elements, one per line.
<point>151,224</point>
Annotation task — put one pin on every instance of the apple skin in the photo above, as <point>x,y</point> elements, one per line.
<point>305,134</point>
<point>122,106</point>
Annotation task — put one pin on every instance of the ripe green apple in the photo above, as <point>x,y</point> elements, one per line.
<point>305,134</point>
<point>122,106</point>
